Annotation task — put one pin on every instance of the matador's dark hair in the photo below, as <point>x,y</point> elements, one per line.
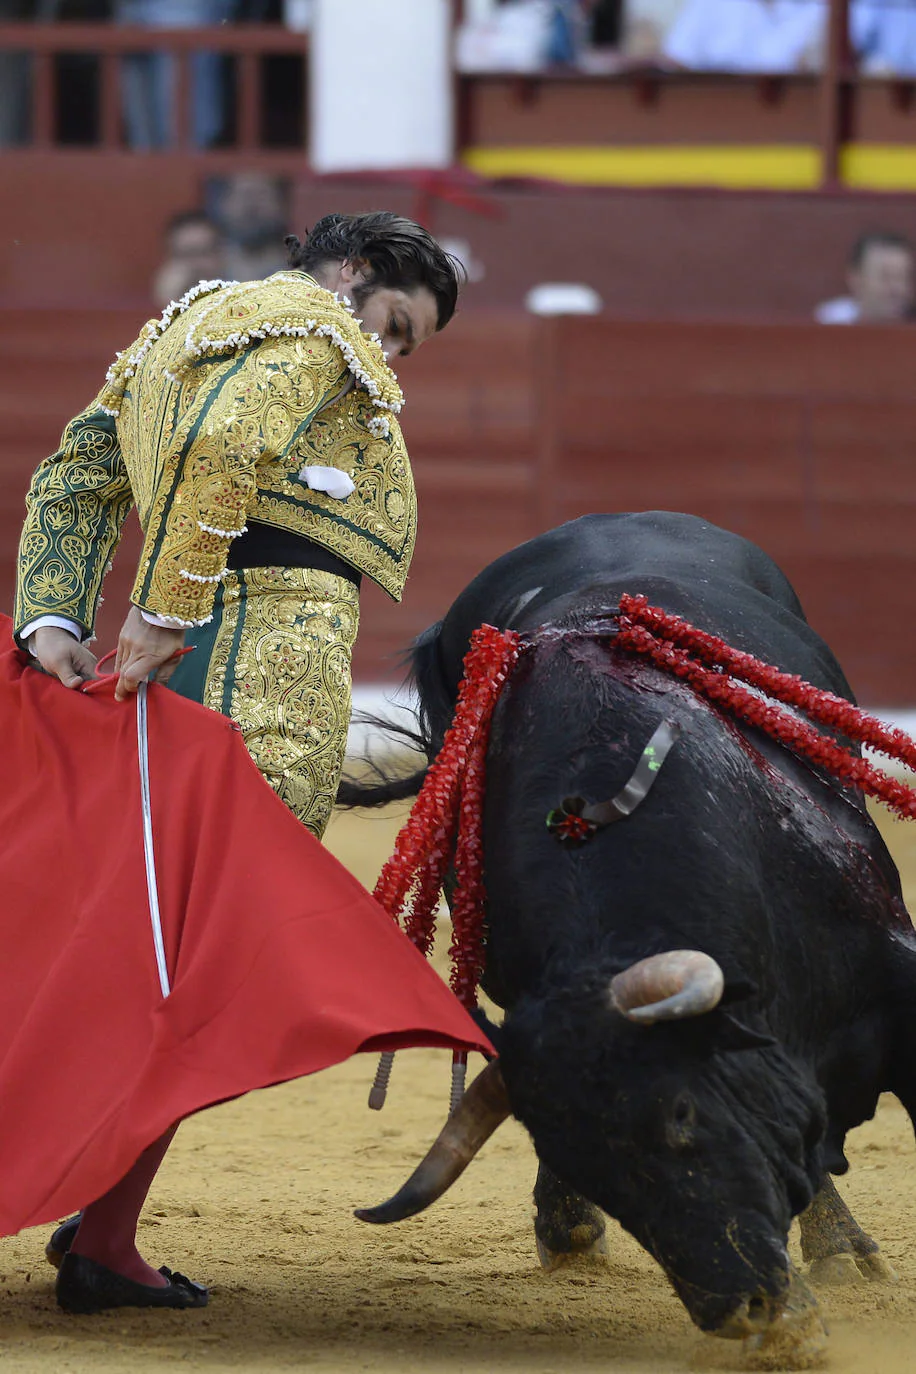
<point>399,253</point>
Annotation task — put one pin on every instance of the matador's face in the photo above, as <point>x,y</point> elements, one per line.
<point>403,319</point>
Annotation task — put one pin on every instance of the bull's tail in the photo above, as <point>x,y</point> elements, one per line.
<point>382,790</point>
<point>378,783</point>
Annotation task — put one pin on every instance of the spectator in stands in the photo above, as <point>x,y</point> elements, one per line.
<point>747,35</point>
<point>762,35</point>
<point>150,79</point>
<point>194,252</point>
<point>527,35</point>
<point>886,41</point>
<point>880,279</point>
<point>565,32</point>
<point>14,80</point>
<point>645,24</point>
<point>252,214</point>
<point>605,23</point>
<point>15,70</point>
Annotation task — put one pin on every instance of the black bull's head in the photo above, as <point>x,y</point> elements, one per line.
<point>702,1137</point>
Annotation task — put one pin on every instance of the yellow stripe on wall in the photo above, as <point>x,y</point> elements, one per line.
<point>776,167</point>
<point>879,166</point>
<point>740,167</point>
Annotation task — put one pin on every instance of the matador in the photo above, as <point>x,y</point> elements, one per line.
<point>255,427</point>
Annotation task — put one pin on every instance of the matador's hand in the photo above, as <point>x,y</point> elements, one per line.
<point>62,655</point>
<point>143,652</point>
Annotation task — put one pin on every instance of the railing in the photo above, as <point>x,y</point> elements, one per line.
<point>823,113</point>
<point>248,45</point>
<point>501,116</point>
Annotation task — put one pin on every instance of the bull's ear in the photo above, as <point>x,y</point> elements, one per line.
<point>737,990</point>
<point>490,1029</point>
<point>736,1033</point>
<point>738,1036</point>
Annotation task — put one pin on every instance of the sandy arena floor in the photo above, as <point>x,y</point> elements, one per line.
<point>256,1197</point>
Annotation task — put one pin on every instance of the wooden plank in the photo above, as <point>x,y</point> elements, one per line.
<point>796,437</point>
<point>862,608</point>
<point>639,108</point>
<point>672,422</point>
<point>607,358</point>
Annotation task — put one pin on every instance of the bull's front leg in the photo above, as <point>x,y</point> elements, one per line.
<point>566,1224</point>
<point>834,1244</point>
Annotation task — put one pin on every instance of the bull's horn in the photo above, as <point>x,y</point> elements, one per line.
<point>667,987</point>
<point>483,1107</point>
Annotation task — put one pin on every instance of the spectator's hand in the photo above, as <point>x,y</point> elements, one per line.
<point>144,650</point>
<point>62,655</point>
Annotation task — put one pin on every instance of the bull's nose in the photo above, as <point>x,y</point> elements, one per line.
<point>753,1317</point>
<point>787,1328</point>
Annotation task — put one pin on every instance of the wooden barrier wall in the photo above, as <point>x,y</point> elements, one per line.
<point>798,437</point>
<point>87,230</point>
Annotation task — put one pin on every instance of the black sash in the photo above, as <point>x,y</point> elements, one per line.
<point>264,546</point>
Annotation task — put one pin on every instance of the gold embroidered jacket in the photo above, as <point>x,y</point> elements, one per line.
<point>214,416</point>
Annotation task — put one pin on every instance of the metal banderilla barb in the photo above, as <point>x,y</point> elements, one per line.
<point>379,1089</point>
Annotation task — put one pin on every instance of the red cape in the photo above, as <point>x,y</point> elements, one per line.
<point>280,962</point>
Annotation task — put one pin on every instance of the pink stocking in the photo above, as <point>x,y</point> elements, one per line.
<point>108,1229</point>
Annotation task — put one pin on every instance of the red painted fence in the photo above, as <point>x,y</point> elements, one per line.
<point>796,436</point>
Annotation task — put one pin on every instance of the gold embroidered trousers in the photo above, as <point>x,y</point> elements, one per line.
<point>276,660</point>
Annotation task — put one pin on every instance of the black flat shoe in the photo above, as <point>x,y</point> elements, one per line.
<point>62,1239</point>
<point>85,1286</point>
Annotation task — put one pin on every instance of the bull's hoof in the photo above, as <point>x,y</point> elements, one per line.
<point>876,1268</point>
<point>591,1251</point>
<point>794,1341</point>
<point>836,1270</point>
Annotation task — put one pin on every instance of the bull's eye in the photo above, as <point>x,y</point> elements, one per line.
<point>681,1121</point>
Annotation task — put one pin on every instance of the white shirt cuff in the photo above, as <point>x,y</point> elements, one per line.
<point>60,622</point>
<point>162,621</point>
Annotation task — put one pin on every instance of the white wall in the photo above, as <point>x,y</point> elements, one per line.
<point>381,89</point>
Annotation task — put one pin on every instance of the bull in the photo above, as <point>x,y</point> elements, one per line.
<point>701,1001</point>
